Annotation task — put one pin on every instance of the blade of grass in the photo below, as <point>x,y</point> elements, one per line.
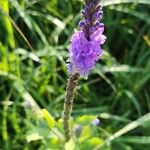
<point>127,128</point>
<point>17,28</point>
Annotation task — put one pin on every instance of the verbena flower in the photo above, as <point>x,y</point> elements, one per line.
<point>95,122</point>
<point>85,48</point>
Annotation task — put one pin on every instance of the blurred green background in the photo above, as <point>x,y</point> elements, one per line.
<point>117,90</point>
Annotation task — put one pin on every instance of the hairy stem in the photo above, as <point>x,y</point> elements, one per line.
<point>71,85</point>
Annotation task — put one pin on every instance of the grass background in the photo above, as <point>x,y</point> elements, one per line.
<point>117,90</point>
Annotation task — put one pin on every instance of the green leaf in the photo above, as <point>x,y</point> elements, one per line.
<point>34,136</point>
<point>109,2</point>
<point>86,133</point>
<point>134,139</point>
<point>86,119</point>
<point>7,24</point>
<point>49,119</point>
<point>70,145</point>
<point>139,122</point>
<point>3,67</point>
<point>94,142</point>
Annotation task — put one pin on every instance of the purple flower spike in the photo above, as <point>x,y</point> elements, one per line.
<point>85,48</point>
<point>95,122</point>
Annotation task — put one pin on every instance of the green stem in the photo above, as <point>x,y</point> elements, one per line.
<point>71,85</point>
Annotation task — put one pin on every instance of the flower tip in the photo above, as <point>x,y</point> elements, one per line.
<point>81,24</point>
<point>91,5</point>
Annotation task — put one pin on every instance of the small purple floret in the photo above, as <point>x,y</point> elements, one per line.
<point>97,15</point>
<point>91,5</point>
<point>95,122</point>
<point>83,12</point>
<point>81,24</point>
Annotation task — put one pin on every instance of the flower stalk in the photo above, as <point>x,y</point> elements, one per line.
<point>71,85</point>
